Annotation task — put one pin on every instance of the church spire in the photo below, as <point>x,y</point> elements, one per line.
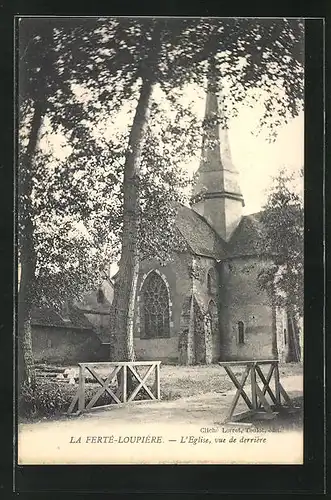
<point>217,195</point>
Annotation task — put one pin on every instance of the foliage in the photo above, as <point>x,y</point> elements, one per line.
<point>51,399</point>
<point>85,69</point>
<point>71,217</point>
<point>264,56</point>
<point>45,92</point>
<point>77,213</point>
<point>48,399</point>
<point>283,237</point>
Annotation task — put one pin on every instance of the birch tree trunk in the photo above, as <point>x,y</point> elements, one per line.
<point>27,255</point>
<point>126,281</point>
<point>125,290</point>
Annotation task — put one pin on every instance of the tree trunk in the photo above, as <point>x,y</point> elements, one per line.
<point>274,343</point>
<point>274,340</point>
<point>294,354</point>
<point>126,280</point>
<point>27,256</point>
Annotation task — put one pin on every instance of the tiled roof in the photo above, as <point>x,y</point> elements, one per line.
<point>199,235</point>
<point>247,237</point>
<point>47,316</point>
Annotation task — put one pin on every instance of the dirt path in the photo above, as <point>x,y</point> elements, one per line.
<point>111,435</point>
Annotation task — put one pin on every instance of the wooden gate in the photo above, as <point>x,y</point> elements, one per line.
<point>106,376</point>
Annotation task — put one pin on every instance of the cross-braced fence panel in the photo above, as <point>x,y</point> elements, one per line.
<point>103,384</point>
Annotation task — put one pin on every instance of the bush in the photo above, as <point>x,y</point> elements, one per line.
<point>52,399</point>
<point>48,399</point>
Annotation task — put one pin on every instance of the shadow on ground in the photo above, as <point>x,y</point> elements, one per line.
<point>285,420</point>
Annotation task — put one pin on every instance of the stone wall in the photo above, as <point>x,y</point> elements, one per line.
<point>186,341</point>
<point>161,349</point>
<point>223,214</point>
<point>61,345</point>
<point>200,345</point>
<point>241,299</point>
<point>206,292</point>
<point>196,335</point>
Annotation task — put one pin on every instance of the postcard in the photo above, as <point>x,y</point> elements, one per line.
<point>160,240</point>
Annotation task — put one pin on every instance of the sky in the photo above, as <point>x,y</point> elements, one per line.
<point>258,161</point>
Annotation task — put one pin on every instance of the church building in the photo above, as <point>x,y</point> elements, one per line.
<point>205,305</point>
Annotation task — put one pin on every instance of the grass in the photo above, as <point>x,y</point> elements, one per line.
<point>182,381</point>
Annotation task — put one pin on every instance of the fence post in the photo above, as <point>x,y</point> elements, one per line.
<point>277,388</point>
<point>81,389</point>
<point>157,381</point>
<point>125,383</point>
<point>253,386</point>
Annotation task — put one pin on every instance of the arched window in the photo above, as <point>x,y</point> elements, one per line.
<point>211,281</point>
<point>241,332</point>
<point>155,307</point>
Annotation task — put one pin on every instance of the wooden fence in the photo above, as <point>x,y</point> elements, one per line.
<point>257,403</point>
<point>123,382</point>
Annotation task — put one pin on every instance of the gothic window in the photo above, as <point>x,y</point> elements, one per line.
<point>155,307</point>
<point>211,281</point>
<point>241,332</point>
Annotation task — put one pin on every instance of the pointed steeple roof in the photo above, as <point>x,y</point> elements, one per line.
<point>216,173</point>
<point>217,195</point>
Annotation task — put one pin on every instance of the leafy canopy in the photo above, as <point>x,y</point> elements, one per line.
<point>283,220</point>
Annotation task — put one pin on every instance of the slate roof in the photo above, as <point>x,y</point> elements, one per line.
<point>198,234</point>
<point>203,240</point>
<point>47,316</point>
<point>246,239</point>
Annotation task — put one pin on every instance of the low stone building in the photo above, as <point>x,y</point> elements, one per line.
<point>63,339</point>
<point>79,333</point>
